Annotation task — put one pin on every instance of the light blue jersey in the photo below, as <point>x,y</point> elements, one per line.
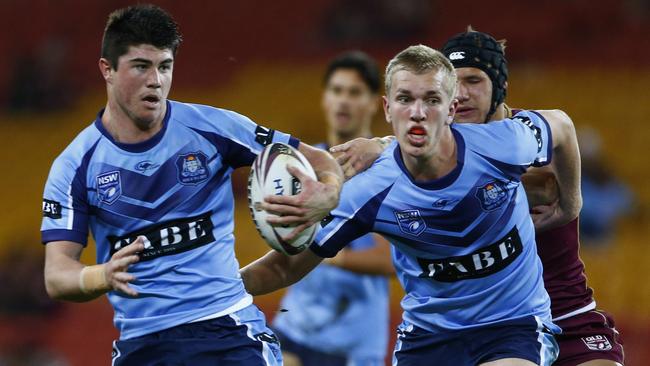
<point>175,190</point>
<point>465,247</point>
<point>337,311</point>
<point>333,310</point>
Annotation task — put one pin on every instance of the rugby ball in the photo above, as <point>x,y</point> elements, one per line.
<point>269,176</point>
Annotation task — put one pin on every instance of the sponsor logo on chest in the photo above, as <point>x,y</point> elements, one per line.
<point>483,262</point>
<point>167,238</point>
<point>109,187</point>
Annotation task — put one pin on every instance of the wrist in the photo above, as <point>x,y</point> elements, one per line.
<point>331,179</point>
<point>92,280</point>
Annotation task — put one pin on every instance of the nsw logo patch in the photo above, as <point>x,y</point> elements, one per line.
<point>410,222</point>
<point>492,195</point>
<point>192,168</point>
<point>109,187</point>
<point>597,343</point>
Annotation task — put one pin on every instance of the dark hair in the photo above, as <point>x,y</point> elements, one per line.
<point>136,25</point>
<point>359,61</point>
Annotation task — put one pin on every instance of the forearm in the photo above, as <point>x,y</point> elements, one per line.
<point>63,279</point>
<point>275,271</point>
<point>327,169</point>
<point>374,261</point>
<point>566,165</point>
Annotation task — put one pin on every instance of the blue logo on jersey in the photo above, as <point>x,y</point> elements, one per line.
<point>109,187</point>
<point>192,168</point>
<point>492,195</point>
<point>410,222</point>
<point>145,165</point>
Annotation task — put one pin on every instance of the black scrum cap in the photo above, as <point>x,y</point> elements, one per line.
<point>480,50</point>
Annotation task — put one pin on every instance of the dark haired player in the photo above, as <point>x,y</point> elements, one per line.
<point>150,177</point>
<point>330,312</point>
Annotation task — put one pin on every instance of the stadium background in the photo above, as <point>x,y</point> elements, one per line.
<point>265,60</point>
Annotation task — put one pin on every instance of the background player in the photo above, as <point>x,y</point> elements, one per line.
<point>332,311</point>
<point>449,199</point>
<point>151,178</point>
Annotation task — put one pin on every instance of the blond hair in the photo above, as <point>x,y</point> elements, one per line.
<point>421,59</point>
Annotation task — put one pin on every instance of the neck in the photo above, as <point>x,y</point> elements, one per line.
<point>502,112</point>
<point>436,165</point>
<point>336,138</point>
<point>127,130</point>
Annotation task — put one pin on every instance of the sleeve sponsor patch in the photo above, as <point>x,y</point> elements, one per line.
<point>51,209</point>
<point>536,130</point>
<point>263,135</point>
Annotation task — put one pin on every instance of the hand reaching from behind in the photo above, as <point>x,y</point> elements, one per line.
<point>358,155</point>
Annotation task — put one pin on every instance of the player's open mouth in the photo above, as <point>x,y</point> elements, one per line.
<point>417,135</point>
<point>151,100</point>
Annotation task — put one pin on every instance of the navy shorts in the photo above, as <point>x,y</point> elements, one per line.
<point>309,356</point>
<point>523,338</point>
<point>238,339</point>
<point>588,336</point>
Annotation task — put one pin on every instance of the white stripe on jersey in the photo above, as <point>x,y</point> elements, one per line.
<point>70,209</point>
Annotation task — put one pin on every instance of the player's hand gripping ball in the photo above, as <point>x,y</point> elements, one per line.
<point>269,176</point>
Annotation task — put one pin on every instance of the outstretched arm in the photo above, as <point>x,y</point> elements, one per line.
<point>275,271</point>
<point>566,167</point>
<point>68,279</point>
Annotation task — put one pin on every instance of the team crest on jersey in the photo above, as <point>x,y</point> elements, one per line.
<point>192,168</point>
<point>597,343</point>
<point>492,195</point>
<point>410,222</point>
<point>109,187</point>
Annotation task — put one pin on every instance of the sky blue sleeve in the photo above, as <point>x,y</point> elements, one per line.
<point>239,139</point>
<point>522,140</point>
<point>65,208</point>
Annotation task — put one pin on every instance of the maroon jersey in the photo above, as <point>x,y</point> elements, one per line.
<point>564,272</point>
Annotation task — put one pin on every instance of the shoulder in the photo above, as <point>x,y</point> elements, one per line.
<point>205,117</point>
<point>381,175</point>
<point>80,148</point>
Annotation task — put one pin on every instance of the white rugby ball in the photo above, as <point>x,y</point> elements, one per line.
<point>269,176</point>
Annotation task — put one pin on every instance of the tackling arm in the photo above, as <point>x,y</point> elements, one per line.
<point>566,166</point>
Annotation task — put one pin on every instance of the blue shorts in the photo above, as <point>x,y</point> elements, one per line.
<point>525,338</point>
<point>240,338</point>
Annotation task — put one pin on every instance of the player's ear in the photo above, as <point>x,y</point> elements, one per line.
<point>384,101</point>
<point>105,68</point>
<point>452,111</point>
<point>505,85</point>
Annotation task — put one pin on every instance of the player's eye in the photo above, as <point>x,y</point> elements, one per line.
<point>140,67</point>
<point>403,98</point>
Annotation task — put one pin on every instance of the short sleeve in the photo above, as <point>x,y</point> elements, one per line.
<point>65,208</point>
<point>239,139</point>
